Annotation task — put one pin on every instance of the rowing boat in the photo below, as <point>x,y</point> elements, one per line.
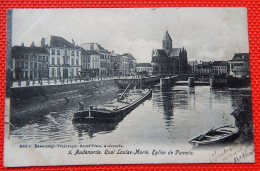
<point>215,136</point>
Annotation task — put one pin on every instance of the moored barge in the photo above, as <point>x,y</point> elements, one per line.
<point>113,110</point>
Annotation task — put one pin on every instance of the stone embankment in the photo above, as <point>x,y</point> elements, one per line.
<point>26,101</point>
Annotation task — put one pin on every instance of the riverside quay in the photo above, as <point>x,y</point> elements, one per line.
<point>57,61</point>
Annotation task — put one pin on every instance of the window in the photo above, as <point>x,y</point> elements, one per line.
<point>77,53</point>
<point>77,70</point>
<point>26,65</point>
<point>77,60</point>
<point>58,60</point>
<point>31,57</point>
<point>72,61</point>
<point>26,57</point>
<point>35,65</point>
<point>72,53</point>
<point>31,65</point>
<point>53,72</point>
<point>53,60</point>
<point>53,51</point>
<point>65,52</point>
<point>72,72</point>
<point>58,52</point>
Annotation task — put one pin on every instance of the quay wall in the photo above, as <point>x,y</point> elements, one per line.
<point>31,99</point>
<point>230,82</point>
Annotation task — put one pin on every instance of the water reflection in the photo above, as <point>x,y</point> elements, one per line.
<point>90,129</point>
<point>171,116</point>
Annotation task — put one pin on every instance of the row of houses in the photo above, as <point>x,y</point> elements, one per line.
<point>238,66</point>
<point>59,58</point>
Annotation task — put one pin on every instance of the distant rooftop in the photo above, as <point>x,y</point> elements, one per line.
<point>93,46</point>
<point>23,49</point>
<point>57,41</point>
<point>144,65</point>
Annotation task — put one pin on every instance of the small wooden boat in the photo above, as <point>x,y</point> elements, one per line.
<point>215,136</point>
<point>113,110</point>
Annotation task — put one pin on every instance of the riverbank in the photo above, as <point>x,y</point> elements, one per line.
<point>244,121</point>
<point>30,103</point>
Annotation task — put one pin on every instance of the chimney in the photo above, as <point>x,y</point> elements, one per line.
<point>42,42</point>
<point>73,42</point>
<point>32,44</point>
<point>22,44</point>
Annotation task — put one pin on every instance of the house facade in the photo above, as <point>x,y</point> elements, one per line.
<point>64,57</point>
<point>132,63</point>
<point>239,62</point>
<point>124,65</point>
<point>90,63</point>
<point>105,55</point>
<point>144,68</point>
<point>220,67</point>
<point>29,63</point>
<point>194,66</point>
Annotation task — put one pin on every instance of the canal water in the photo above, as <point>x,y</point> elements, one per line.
<point>169,117</point>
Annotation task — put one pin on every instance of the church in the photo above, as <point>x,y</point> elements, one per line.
<point>169,60</point>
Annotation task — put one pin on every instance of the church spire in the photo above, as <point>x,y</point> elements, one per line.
<point>167,41</point>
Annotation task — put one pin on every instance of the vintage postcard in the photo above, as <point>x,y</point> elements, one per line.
<point>127,86</point>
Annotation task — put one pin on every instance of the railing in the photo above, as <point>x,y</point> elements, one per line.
<point>58,81</point>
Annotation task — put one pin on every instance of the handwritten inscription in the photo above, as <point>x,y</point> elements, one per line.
<point>235,153</point>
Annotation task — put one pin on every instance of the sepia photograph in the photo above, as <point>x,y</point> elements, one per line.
<point>127,86</point>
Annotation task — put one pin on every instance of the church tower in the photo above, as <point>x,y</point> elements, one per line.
<point>167,41</point>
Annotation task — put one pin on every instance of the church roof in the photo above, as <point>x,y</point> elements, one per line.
<point>160,52</point>
<point>167,36</point>
<point>174,52</point>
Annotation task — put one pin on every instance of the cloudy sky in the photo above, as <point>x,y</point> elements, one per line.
<point>206,33</point>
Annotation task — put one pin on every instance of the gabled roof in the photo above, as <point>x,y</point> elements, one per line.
<point>241,69</point>
<point>167,36</point>
<point>159,52</point>
<point>130,56</point>
<point>241,57</point>
<point>57,41</point>
<point>23,49</point>
<point>144,65</point>
<point>93,46</point>
<point>89,52</point>
<point>174,52</point>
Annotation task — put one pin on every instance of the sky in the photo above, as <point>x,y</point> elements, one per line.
<point>207,33</point>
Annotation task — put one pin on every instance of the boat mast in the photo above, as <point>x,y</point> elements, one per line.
<point>123,92</point>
